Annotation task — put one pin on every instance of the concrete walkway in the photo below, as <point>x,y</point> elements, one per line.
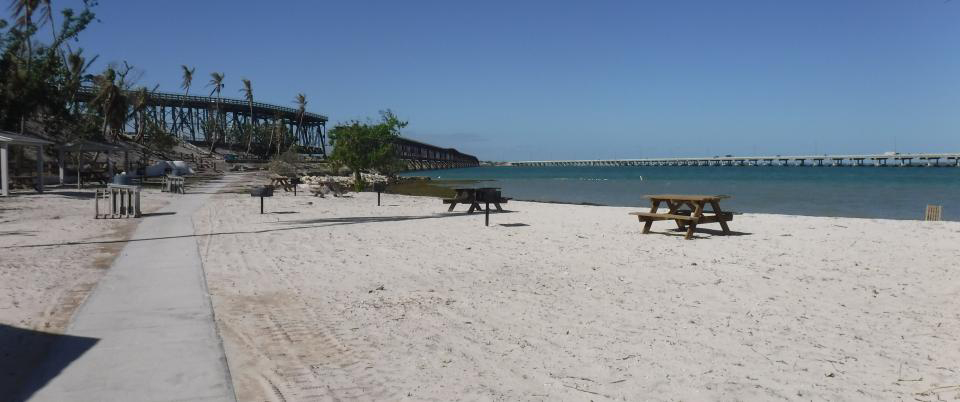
<point>151,316</point>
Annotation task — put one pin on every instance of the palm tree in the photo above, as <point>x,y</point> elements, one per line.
<point>110,98</point>
<point>23,11</point>
<point>216,81</point>
<point>248,94</point>
<point>301,101</point>
<point>276,133</point>
<point>140,100</point>
<point>187,81</point>
<point>77,66</point>
<point>281,131</point>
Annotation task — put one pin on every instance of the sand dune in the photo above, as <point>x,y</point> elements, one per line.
<point>336,298</point>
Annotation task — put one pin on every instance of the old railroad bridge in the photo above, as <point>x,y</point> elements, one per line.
<point>879,160</point>
<point>189,117</point>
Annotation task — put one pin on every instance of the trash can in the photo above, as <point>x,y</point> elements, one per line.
<point>122,179</point>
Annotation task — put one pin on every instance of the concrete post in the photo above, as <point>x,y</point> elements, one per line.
<point>4,174</point>
<point>40,168</point>
<point>61,163</point>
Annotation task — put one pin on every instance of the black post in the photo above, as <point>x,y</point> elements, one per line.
<point>261,205</point>
<point>487,213</point>
<point>378,198</point>
<point>294,190</point>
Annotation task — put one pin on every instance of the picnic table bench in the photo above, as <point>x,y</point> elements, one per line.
<point>469,196</point>
<point>685,218</point>
<point>94,176</point>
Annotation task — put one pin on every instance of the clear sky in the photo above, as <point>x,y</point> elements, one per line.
<point>523,80</point>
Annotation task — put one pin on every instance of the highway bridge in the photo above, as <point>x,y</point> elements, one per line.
<point>878,160</point>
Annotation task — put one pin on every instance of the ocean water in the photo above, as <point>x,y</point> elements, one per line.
<point>861,192</point>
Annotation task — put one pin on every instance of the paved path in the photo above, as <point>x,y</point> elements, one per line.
<point>151,314</point>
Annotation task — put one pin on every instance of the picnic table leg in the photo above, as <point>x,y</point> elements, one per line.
<point>718,212</point>
<point>673,209</point>
<point>452,204</point>
<point>474,207</point>
<point>497,204</point>
<point>648,223</point>
<point>696,214</point>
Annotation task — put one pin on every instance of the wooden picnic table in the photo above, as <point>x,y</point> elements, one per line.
<point>469,196</point>
<point>283,182</point>
<point>94,175</point>
<point>686,218</point>
<point>24,181</point>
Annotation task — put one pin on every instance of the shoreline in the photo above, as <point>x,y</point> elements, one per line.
<point>434,184</point>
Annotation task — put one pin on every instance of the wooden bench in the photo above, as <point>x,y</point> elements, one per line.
<point>652,216</point>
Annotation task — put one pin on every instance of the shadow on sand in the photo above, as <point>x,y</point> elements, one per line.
<point>30,359</point>
<point>73,194</point>
<point>303,224</point>
<point>374,219</point>
<point>18,233</point>
<point>513,225</point>
<point>152,214</point>
<point>700,231</point>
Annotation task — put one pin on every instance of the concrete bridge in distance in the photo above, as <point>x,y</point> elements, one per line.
<point>876,160</point>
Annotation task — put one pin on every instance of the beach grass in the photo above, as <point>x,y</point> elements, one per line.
<point>429,188</point>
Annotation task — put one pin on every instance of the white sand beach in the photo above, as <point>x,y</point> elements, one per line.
<point>336,298</point>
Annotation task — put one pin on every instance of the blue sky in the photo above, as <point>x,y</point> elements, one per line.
<point>570,80</point>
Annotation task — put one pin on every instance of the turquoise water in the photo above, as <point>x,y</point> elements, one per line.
<point>864,192</point>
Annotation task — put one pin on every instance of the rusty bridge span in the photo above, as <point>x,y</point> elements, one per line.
<point>190,117</point>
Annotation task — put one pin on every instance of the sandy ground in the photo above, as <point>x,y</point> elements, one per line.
<point>336,298</point>
<point>42,278</point>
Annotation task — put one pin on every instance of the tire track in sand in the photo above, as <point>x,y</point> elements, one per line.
<point>291,349</point>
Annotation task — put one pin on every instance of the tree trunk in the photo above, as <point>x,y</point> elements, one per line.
<point>213,142</point>
<point>106,117</point>
<point>357,180</point>
<point>250,128</point>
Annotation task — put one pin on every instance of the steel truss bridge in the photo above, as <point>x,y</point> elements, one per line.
<point>187,116</point>
<point>879,160</point>
<point>418,155</point>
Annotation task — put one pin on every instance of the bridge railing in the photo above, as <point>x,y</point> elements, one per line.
<point>176,99</point>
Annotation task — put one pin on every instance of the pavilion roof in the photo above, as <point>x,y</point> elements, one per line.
<point>7,137</point>
<point>91,146</point>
